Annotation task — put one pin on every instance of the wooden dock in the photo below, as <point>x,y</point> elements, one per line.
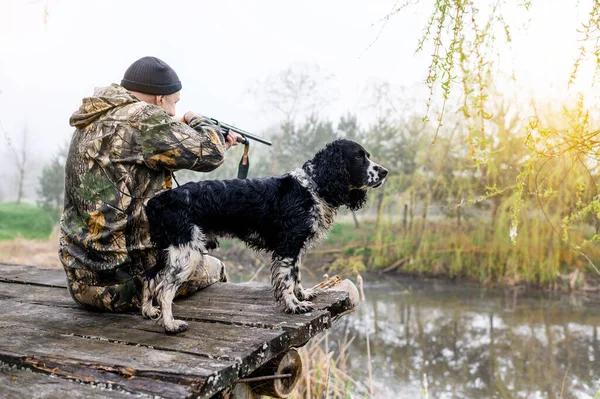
<point>49,347</point>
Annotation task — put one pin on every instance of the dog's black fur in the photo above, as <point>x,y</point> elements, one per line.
<point>283,215</point>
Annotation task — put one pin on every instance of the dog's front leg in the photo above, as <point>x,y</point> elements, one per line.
<point>284,277</point>
<point>301,293</point>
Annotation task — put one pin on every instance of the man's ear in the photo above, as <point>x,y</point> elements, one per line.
<point>160,100</point>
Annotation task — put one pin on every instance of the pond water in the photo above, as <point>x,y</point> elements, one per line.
<point>472,342</point>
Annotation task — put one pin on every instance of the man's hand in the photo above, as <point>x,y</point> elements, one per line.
<point>188,116</point>
<point>231,139</point>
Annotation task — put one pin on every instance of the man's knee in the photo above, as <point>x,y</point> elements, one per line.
<point>215,269</point>
<point>211,271</point>
<point>124,297</point>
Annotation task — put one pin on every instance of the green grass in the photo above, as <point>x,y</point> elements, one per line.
<point>26,220</point>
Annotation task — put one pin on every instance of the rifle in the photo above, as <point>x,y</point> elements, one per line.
<point>244,162</point>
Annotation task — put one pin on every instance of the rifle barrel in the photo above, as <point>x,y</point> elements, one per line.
<point>242,132</point>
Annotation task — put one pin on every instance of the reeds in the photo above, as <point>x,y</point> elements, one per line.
<point>326,370</point>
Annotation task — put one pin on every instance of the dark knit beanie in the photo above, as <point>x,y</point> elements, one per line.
<point>151,75</point>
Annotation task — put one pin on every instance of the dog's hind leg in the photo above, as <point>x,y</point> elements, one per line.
<point>182,261</point>
<point>149,311</point>
<point>284,277</point>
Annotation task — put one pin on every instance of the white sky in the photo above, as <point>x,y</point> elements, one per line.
<point>222,48</point>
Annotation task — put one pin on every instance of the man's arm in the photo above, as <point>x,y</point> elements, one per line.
<point>173,145</point>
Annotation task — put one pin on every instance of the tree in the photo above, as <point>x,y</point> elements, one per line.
<point>20,155</point>
<point>463,35</point>
<point>299,91</point>
<point>52,183</point>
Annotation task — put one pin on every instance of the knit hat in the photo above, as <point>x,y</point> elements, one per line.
<point>151,75</point>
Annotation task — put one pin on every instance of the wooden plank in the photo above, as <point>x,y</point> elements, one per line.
<point>40,275</point>
<point>248,347</point>
<point>335,302</point>
<point>300,328</point>
<point>219,293</point>
<point>260,294</point>
<point>97,374</point>
<point>240,304</point>
<point>202,308</point>
<point>107,362</point>
<point>21,383</point>
<point>54,296</point>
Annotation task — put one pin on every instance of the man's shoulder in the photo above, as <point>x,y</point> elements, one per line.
<point>142,111</point>
<point>143,115</point>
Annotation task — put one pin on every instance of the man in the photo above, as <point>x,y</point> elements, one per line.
<point>123,152</point>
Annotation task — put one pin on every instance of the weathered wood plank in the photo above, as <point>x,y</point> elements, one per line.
<point>260,294</point>
<point>98,374</point>
<point>108,362</point>
<point>248,347</point>
<point>20,383</point>
<point>238,304</point>
<point>299,327</point>
<point>219,293</point>
<point>42,275</point>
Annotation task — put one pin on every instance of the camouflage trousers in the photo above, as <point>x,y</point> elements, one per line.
<point>127,296</point>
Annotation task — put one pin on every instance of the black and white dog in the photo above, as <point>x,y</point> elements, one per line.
<point>283,215</point>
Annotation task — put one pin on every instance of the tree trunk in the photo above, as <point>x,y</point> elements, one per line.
<point>20,189</point>
<point>497,201</point>
<point>275,157</point>
<point>405,220</point>
<point>355,220</point>
<point>411,210</point>
<point>379,206</point>
<point>21,163</point>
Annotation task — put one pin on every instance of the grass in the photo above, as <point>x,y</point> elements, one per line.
<point>24,220</point>
<point>326,374</point>
<point>471,251</point>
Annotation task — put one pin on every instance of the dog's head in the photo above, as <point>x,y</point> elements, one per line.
<point>343,172</point>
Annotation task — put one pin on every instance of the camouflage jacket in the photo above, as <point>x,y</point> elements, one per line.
<point>122,153</point>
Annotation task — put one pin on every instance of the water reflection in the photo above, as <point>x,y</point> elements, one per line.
<point>473,342</point>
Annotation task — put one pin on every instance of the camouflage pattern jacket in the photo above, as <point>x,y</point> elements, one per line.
<point>122,154</point>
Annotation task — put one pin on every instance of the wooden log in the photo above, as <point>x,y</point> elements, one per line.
<point>286,363</point>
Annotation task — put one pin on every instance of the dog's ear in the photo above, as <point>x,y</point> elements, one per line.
<point>356,199</point>
<point>331,175</point>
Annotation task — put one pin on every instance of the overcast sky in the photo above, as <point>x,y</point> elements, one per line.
<point>222,48</point>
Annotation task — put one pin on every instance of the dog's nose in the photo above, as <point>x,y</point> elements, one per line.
<point>382,172</point>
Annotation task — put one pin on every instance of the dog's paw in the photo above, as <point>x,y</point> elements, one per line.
<point>151,312</point>
<point>175,327</point>
<point>298,307</point>
<point>306,295</point>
